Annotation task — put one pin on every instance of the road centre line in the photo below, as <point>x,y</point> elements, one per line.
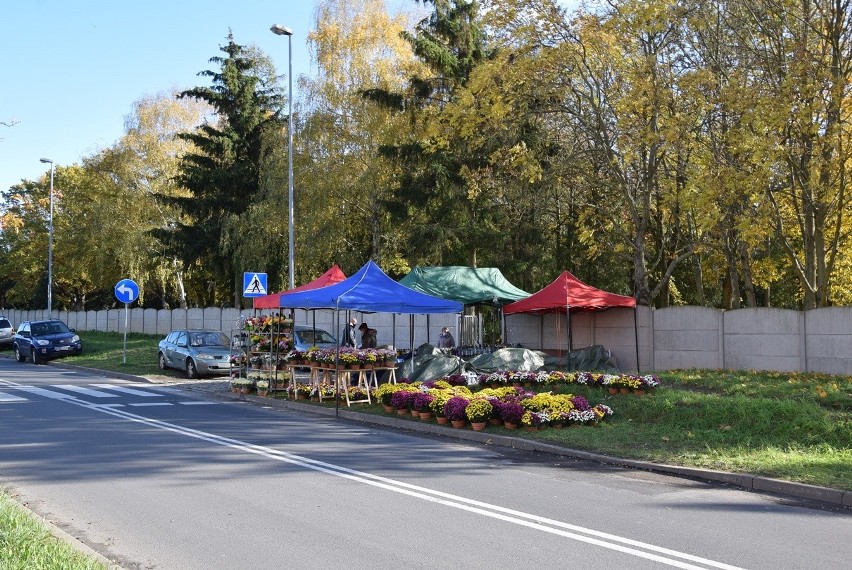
<point>567,530</point>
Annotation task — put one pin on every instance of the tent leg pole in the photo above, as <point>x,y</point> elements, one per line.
<point>337,369</point>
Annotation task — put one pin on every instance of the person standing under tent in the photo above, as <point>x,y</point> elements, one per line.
<point>368,336</point>
<point>348,336</point>
<point>445,339</point>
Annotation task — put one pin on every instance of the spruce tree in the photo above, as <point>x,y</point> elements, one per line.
<point>222,177</point>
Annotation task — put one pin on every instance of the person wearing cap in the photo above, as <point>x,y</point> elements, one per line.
<point>368,336</point>
<point>349,334</point>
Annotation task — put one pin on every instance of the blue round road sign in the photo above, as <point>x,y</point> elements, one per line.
<point>126,291</point>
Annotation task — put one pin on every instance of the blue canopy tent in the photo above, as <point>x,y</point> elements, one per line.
<point>370,290</point>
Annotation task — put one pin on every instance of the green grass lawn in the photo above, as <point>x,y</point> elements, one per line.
<point>790,426</point>
<point>25,542</point>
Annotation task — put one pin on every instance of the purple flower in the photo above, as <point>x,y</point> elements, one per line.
<point>454,408</point>
<point>456,379</point>
<point>403,399</point>
<point>581,403</point>
<point>511,412</point>
<point>421,401</point>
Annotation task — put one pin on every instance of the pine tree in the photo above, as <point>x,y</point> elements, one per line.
<point>223,176</point>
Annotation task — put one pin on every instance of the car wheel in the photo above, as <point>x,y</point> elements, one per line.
<point>19,356</point>
<point>36,358</point>
<point>191,370</point>
<point>161,361</point>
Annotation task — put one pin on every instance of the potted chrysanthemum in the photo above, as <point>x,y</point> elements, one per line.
<point>454,410</point>
<point>511,414</point>
<point>478,411</point>
<point>422,403</point>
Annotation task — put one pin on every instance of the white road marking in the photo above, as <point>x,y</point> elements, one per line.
<point>149,404</point>
<point>85,391</point>
<point>46,393</point>
<point>198,403</point>
<point>10,398</point>
<point>131,391</point>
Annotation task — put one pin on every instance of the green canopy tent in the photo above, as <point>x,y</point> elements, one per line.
<point>469,286</point>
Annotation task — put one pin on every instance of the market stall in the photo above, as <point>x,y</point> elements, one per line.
<point>471,286</point>
<point>369,290</point>
<point>567,294</point>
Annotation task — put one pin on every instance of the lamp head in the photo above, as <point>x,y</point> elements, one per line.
<point>45,160</point>
<point>280,30</point>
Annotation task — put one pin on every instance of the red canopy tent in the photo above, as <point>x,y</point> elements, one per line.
<point>330,277</point>
<point>567,294</point>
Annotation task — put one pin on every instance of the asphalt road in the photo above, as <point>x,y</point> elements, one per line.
<point>158,478</point>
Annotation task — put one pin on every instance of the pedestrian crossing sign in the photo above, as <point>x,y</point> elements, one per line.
<point>254,284</point>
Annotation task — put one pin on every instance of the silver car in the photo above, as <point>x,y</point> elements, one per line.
<point>7,332</point>
<point>306,336</point>
<point>197,352</point>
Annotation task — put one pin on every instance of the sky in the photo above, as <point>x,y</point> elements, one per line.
<point>71,70</point>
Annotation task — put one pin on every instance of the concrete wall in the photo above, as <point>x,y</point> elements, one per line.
<point>673,338</point>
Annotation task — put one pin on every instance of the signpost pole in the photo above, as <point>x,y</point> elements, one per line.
<point>126,291</point>
<point>124,360</point>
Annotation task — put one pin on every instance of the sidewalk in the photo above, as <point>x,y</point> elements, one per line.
<point>218,388</point>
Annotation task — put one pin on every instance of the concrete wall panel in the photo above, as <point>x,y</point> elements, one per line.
<point>762,320</point>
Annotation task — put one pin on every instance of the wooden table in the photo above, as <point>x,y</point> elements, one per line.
<point>327,373</point>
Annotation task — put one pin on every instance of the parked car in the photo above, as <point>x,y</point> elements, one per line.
<point>41,341</point>
<point>7,333</point>
<point>306,336</point>
<point>197,352</point>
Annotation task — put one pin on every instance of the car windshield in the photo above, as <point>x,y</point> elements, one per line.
<point>208,339</point>
<point>316,336</point>
<point>40,329</point>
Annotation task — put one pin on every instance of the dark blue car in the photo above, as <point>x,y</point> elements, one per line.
<point>41,341</point>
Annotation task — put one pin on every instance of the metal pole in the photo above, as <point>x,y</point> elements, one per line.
<point>126,318</point>
<point>50,252</point>
<point>290,157</point>
<point>50,245</point>
<point>280,30</point>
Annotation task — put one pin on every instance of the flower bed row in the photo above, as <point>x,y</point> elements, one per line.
<point>508,405</point>
<point>348,356</point>
<point>544,378</point>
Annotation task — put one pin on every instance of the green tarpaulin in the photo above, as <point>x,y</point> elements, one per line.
<point>467,285</point>
<point>432,363</point>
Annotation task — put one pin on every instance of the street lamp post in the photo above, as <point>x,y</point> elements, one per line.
<point>50,244</point>
<point>282,31</point>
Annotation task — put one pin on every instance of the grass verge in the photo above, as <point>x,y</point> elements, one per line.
<point>26,543</point>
